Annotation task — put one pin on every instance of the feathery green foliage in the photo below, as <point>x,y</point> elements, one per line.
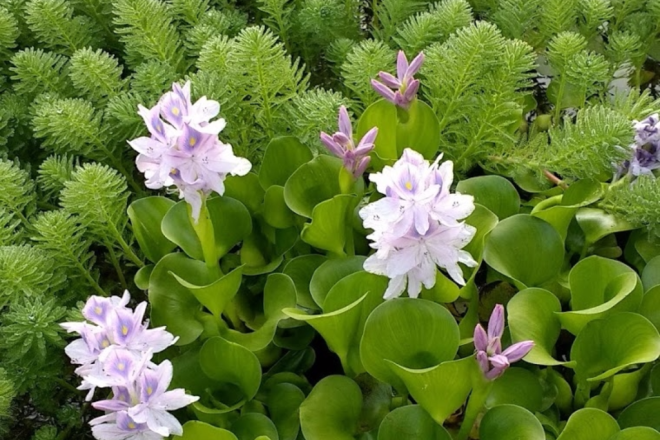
<point>54,172</point>
<point>27,271</point>
<point>7,394</point>
<point>17,195</point>
<point>315,111</point>
<point>390,14</point>
<point>362,64</point>
<point>96,75</point>
<point>8,34</point>
<point>637,202</point>
<point>36,71</point>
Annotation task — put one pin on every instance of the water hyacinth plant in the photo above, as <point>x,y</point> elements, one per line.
<point>339,220</point>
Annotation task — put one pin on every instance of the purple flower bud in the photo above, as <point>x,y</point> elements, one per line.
<point>401,65</point>
<point>415,65</point>
<point>401,90</point>
<point>383,91</point>
<point>496,322</point>
<point>344,122</point>
<point>480,338</point>
<point>518,351</point>
<point>389,80</point>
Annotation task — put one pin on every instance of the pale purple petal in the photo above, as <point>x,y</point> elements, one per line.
<point>496,322</point>
<point>415,65</point>
<point>480,338</point>
<point>383,90</point>
<point>401,65</point>
<point>518,351</point>
<point>344,122</point>
<point>333,146</point>
<point>389,80</point>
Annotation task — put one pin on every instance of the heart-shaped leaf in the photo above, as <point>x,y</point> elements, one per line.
<point>254,426</point>
<point>301,269</point>
<point>330,272</point>
<point>508,422</point>
<point>642,413</point>
<point>411,422</point>
<point>589,424</point>
<point>247,190</point>
<point>312,183</point>
<point>327,229</point>
<point>146,215</point>
<point>413,333</point>
<point>519,387</point>
<point>597,223</point>
<point>525,248</point>
<point>332,410</point>
<point>275,211</point>
<point>217,295</point>
<point>650,307</point>
<point>283,403</point>
<point>196,430</point>
<point>494,192</point>
<point>282,157</point>
<point>651,274</point>
<point>637,433</point>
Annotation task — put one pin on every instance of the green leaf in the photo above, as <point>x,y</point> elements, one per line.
<point>282,157</point>
<point>217,295</point>
<point>301,269</point>
<point>625,387</point>
<point>247,190</point>
<point>494,192</point>
<point>642,413</point>
<point>510,422</point>
<point>196,430</point>
<point>444,290</point>
<point>346,308</point>
<point>411,422</point>
<point>231,224</point>
<point>526,249</point>
<point>519,387</point>
<point>327,230</point>
<point>275,211</point>
<point>332,410</point>
<point>589,424</point>
<point>311,184</point>
<point>172,304</point>
<point>582,193</point>
<point>651,274</point>
<point>606,346</point>
<point>330,272</point>
<point>230,363</point>
<point>597,223</point>
<point>532,317</point>
<point>637,433</point>
<point>254,426</point>
<point>441,389</point>
<point>600,287</point>
<point>283,403</point>
<point>146,215</point>
<point>381,114</point>
<point>557,215</point>
<point>650,307</point>
<point>413,333</point>
<point>484,222</point>
<point>142,276</point>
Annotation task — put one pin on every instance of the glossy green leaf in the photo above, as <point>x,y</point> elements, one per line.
<point>607,346</point>
<point>230,363</point>
<point>494,192</point>
<point>330,272</point>
<point>332,410</point>
<point>381,114</point>
<point>484,222</point>
<point>231,224</point>
<point>553,212</point>
<point>642,413</point>
<point>637,433</point>
<point>283,403</point>
<point>172,304</point>
<point>600,287</point>
<point>441,389</point>
<point>597,223</point>
<point>510,422</point>
<point>651,274</point>
<point>327,230</point>
<point>146,215</point>
<point>142,276</point>
<point>411,422</point>
<point>247,190</point>
<point>444,290</point>
<point>282,157</point>
<point>196,430</point>
<point>526,249</point>
<point>413,333</point>
<point>519,387</point>
<point>650,307</point>
<point>262,251</point>
<point>625,387</point>
<point>312,183</point>
<point>346,308</point>
<point>582,193</point>
<point>217,295</point>
<point>254,426</point>
<point>419,129</point>
<point>589,424</point>
<point>532,317</point>
<point>275,211</point>
<point>301,269</point>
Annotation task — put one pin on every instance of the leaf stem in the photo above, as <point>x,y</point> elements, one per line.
<point>204,230</point>
<point>476,403</point>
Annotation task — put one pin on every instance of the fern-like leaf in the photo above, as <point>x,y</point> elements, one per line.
<point>363,64</point>
<point>36,71</point>
<point>96,75</point>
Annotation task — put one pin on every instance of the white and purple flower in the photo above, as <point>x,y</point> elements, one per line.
<point>400,90</point>
<point>417,225</point>
<point>184,149</point>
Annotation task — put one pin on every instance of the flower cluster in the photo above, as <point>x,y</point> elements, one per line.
<point>184,148</point>
<point>341,144</point>
<point>646,149</point>
<point>492,360</point>
<point>402,89</point>
<point>115,351</point>
<point>417,225</point>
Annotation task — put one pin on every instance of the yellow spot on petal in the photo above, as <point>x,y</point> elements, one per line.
<point>131,425</point>
<point>124,330</point>
<point>150,391</point>
<point>192,141</point>
<point>176,111</point>
<point>408,186</point>
<point>121,367</point>
<point>105,343</point>
<point>98,310</point>
<point>173,171</point>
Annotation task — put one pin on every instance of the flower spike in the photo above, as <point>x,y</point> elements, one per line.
<point>400,90</point>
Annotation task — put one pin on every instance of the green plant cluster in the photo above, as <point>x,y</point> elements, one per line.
<point>543,93</point>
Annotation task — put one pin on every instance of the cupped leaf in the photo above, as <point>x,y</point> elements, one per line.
<point>484,221</point>
<point>519,387</point>
<point>230,363</point>
<point>217,295</point>
<point>301,269</point>
<point>413,333</point>
<point>254,426</point>
<point>441,389</point>
<point>411,422</point>
<point>589,424</point>
<point>146,215</point>
<point>327,229</point>
<point>597,223</point>
<point>247,190</point>
<point>330,272</point>
<point>275,211</point>
<point>494,192</point>
<point>282,157</point>
<point>262,251</point>
<point>650,307</point>
<point>196,430</point>
<point>583,193</point>
<point>142,276</point>
<point>525,248</point>
<point>637,433</point>
<point>553,212</point>
<point>283,403</point>
<point>651,274</point>
<point>346,308</point>
<point>532,317</point>
<point>607,346</point>
<point>625,387</point>
<point>642,413</point>
<point>332,410</point>
<point>510,422</point>
<point>312,183</point>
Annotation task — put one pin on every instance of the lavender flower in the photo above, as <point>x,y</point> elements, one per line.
<point>402,89</point>
<point>416,225</point>
<point>115,351</point>
<point>341,144</point>
<point>645,152</point>
<point>184,149</point>
<point>492,360</point>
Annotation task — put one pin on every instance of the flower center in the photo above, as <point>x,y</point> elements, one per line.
<point>124,330</point>
<point>150,391</point>
<point>176,111</point>
<point>408,185</point>
<point>131,425</point>
<point>192,141</point>
<point>121,366</point>
<point>98,311</point>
